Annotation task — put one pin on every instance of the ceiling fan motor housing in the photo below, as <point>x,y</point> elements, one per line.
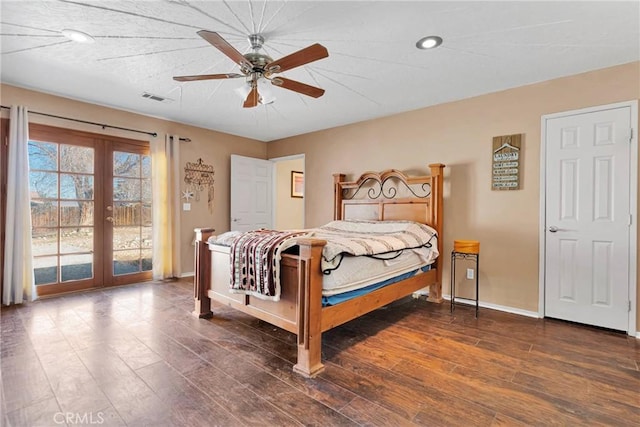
<point>258,60</point>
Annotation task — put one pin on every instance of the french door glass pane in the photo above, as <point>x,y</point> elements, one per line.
<point>126,164</point>
<point>61,182</point>
<point>76,186</point>
<point>43,185</point>
<point>147,214</point>
<point>126,213</point>
<point>44,213</point>
<point>126,238</point>
<point>132,218</point>
<point>126,262</point>
<point>45,270</point>
<point>76,240</point>
<point>76,213</point>
<point>77,159</point>
<point>146,167</point>
<point>146,190</point>
<point>43,156</point>
<point>147,265</point>
<point>146,236</point>
<point>45,241</point>
<point>126,189</point>
<point>76,267</point>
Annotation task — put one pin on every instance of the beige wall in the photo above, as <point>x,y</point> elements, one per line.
<point>459,134</point>
<point>289,210</point>
<point>213,147</point>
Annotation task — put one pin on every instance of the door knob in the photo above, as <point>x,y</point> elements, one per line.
<point>109,218</point>
<point>553,229</point>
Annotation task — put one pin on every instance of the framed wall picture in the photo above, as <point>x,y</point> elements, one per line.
<point>297,184</point>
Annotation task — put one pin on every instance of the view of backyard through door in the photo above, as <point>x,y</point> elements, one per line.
<point>90,210</point>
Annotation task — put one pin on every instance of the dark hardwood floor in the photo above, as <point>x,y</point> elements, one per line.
<point>135,356</point>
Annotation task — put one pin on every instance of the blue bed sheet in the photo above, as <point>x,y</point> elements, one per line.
<point>346,296</point>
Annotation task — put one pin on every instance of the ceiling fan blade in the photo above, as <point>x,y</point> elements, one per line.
<point>217,41</point>
<point>295,86</point>
<point>252,98</point>
<point>296,59</point>
<point>207,77</point>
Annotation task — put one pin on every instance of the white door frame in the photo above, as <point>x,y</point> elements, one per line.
<point>633,200</point>
<point>273,204</point>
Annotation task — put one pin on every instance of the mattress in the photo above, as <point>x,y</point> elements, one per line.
<point>358,272</point>
<point>346,296</point>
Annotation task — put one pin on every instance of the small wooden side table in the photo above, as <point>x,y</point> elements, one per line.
<point>464,249</point>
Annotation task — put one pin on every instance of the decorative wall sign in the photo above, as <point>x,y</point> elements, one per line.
<point>506,166</point>
<point>197,176</point>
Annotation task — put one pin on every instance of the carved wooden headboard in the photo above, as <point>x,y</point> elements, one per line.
<point>392,195</point>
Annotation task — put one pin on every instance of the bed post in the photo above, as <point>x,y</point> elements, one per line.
<point>202,274</point>
<point>337,195</point>
<point>437,170</point>
<point>309,308</point>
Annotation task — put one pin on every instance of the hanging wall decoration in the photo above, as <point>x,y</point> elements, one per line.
<point>197,176</point>
<point>506,159</point>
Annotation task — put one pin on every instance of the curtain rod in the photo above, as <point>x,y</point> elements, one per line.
<point>102,125</point>
<point>183,139</point>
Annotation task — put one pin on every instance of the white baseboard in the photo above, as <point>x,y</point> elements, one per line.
<point>190,274</point>
<point>506,309</point>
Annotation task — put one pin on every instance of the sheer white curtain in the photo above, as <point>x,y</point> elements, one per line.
<point>18,278</point>
<point>165,178</point>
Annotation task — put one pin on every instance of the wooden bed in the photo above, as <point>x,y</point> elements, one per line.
<point>389,195</point>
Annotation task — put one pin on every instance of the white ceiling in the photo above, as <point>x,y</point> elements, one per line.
<point>373,68</point>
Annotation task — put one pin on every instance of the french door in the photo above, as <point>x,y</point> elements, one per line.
<point>90,209</point>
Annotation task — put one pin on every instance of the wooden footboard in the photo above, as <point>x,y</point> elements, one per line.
<point>299,310</point>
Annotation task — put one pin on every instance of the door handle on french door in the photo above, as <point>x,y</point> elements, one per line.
<point>553,229</point>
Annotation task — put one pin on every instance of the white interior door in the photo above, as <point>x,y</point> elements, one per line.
<point>588,215</point>
<point>251,193</point>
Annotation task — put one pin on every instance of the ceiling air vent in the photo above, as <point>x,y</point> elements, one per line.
<point>153,97</point>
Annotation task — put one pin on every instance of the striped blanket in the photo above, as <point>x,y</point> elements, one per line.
<point>381,239</point>
<point>255,262</point>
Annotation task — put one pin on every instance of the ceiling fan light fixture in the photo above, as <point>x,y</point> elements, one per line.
<point>77,36</point>
<point>429,42</point>
<point>266,95</point>
<point>243,91</point>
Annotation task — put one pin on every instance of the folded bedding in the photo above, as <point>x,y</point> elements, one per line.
<point>377,239</point>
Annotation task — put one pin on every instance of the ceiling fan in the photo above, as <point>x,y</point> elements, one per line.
<point>255,65</point>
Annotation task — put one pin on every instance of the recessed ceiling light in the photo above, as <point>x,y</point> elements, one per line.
<point>77,36</point>
<point>429,42</point>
